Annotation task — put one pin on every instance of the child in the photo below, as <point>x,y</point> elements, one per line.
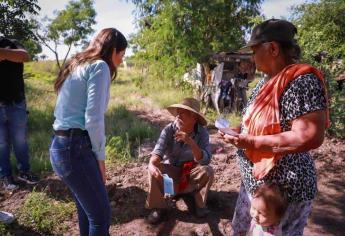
<point>267,209</point>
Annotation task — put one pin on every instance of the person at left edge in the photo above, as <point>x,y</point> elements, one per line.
<point>13,114</point>
<point>77,152</point>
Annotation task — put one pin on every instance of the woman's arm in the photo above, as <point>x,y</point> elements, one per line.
<point>307,132</point>
<point>14,55</point>
<point>101,165</point>
<point>97,87</point>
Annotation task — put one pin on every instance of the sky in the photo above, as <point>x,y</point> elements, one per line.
<point>119,14</point>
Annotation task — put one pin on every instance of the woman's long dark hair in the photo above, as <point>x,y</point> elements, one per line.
<point>101,47</point>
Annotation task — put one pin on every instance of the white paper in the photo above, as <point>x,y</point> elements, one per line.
<point>222,123</point>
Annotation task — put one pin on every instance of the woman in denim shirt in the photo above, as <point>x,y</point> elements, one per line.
<point>77,152</point>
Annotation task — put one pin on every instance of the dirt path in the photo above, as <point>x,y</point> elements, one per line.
<point>127,186</point>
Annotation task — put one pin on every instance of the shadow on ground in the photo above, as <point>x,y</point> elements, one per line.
<point>15,229</point>
<point>329,207</point>
<point>127,203</point>
<point>221,204</point>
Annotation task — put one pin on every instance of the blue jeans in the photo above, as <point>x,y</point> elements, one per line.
<point>13,133</point>
<point>74,162</point>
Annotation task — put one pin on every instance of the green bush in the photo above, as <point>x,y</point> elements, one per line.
<point>337,110</point>
<point>4,230</point>
<point>125,133</point>
<point>40,97</point>
<point>44,214</point>
<point>48,67</point>
<point>118,149</point>
<point>138,81</point>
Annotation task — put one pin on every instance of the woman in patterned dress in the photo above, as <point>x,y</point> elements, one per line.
<point>285,117</point>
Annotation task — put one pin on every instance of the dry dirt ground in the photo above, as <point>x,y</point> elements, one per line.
<point>127,186</point>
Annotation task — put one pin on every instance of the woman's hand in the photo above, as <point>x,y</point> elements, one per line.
<point>242,141</point>
<point>229,131</point>
<point>101,165</point>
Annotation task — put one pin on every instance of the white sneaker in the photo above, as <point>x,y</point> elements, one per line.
<point>8,183</point>
<point>6,217</point>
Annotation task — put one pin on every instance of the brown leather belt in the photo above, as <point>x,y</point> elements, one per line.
<point>70,132</point>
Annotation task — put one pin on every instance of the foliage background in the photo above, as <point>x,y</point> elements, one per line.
<point>173,35</point>
<point>16,22</point>
<point>321,34</point>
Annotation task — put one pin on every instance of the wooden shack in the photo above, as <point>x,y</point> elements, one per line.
<point>232,69</point>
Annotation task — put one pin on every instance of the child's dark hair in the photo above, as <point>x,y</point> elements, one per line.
<point>273,196</point>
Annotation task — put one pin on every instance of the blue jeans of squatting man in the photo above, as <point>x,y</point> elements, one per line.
<point>13,134</point>
<point>74,162</point>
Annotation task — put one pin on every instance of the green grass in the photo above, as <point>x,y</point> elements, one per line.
<point>125,132</point>
<point>233,118</point>
<point>44,214</point>
<point>165,93</point>
<point>162,92</point>
<point>5,230</point>
<point>40,215</point>
<point>40,100</point>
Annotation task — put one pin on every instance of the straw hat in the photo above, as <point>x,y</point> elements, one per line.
<point>190,104</point>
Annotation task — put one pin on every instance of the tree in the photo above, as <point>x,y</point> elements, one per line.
<point>321,34</point>
<point>16,22</point>
<point>70,27</point>
<point>321,27</point>
<point>175,34</point>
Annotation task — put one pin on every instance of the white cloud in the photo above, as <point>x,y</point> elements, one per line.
<point>279,8</point>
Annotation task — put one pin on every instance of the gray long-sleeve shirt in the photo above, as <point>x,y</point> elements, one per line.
<point>176,153</point>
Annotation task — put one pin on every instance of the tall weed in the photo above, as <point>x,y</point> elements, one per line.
<point>44,214</point>
<point>40,99</point>
<point>125,132</point>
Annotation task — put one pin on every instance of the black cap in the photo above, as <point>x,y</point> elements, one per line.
<point>271,30</point>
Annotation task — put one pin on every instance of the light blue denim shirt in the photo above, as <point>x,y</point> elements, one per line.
<point>82,103</point>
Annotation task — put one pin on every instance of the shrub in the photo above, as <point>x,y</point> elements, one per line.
<point>44,214</point>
